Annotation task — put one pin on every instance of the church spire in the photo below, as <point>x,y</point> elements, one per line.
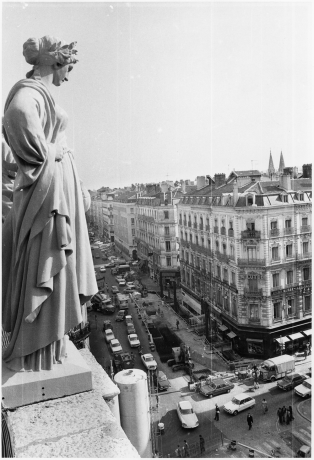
<point>281,164</point>
<point>271,168</point>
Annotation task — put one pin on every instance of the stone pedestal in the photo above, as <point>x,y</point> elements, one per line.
<point>23,388</point>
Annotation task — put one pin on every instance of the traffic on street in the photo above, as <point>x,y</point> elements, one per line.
<point>181,413</point>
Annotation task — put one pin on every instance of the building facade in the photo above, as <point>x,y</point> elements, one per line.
<point>123,211</point>
<point>246,259</point>
<point>157,234</point>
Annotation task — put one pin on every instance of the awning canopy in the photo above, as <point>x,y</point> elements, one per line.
<point>281,340</point>
<point>296,336</point>
<point>255,340</point>
<point>231,335</point>
<point>223,328</point>
<point>308,332</point>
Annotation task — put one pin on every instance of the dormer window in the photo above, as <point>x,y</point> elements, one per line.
<point>250,200</point>
<point>301,197</point>
<point>284,198</point>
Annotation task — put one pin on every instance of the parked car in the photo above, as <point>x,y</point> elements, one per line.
<point>216,387</point>
<point>130,328</point>
<point>128,290</point>
<point>114,289</point>
<point>290,381</point>
<point>128,318</point>
<point>109,335</point>
<point>115,346</point>
<point>120,315</point>
<point>97,256</point>
<point>133,340</point>
<point>239,403</point>
<point>118,278</point>
<point>102,269</point>
<point>186,415</point>
<point>161,381</point>
<point>149,361</point>
<point>304,390</point>
<point>135,262</point>
<point>107,325</point>
<point>122,282</point>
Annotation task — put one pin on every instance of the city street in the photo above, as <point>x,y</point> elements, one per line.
<point>266,434</point>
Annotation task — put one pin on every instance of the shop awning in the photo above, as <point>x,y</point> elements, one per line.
<point>281,340</point>
<point>255,340</point>
<point>296,336</point>
<point>231,335</point>
<point>308,332</point>
<point>223,328</point>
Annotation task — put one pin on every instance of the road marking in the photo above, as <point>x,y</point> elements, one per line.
<point>305,432</point>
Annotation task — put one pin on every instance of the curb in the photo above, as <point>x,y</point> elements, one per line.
<point>300,413</point>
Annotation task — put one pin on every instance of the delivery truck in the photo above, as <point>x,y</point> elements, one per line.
<point>276,368</point>
<point>122,301</point>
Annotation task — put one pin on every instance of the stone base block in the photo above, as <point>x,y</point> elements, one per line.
<point>22,388</point>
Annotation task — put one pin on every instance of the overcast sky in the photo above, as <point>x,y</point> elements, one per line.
<point>175,90</point>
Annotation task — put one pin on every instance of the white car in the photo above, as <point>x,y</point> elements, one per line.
<point>239,403</point>
<point>128,319</point>
<point>102,269</point>
<point>122,282</point>
<point>115,346</point>
<point>135,262</point>
<point>109,335</point>
<point>149,362</point>
<point>304,390</point>
<point>130,285</point>
<point>186,415</point>
<point>133,340</point>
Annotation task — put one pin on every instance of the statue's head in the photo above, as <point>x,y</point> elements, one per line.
<point>51,55</point>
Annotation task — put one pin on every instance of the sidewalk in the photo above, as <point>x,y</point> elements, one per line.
<point>305,409</point>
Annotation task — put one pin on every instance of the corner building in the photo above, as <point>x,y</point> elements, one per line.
<point>245,254</point>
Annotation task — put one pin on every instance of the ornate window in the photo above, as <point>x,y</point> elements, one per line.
<point>277,310</point>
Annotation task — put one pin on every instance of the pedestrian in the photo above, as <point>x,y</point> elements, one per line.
<point>305,354</point>
<point>178,451</point>
<point>186,448</point>
<point>217,413</point>
<point>249,419</point>
<point>157,401</point>
<point>279,413</point>
<point>202,444</point>
<point>156,455</point>
<point>291,413</point>
<point>284,411</point>
<point>264,405</point>
<point>256,385</point>
<point>178,324</point>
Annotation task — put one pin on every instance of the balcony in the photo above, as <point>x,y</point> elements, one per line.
<point>195,225</point>
<point>274,232</point>
<point>256,262</point>
<point>201,227</point>
<point>253,292</point>
<point>231,232</point>
<point>288,230</point>
<point>185,243</point>
<point>276,288</point>
<point>250,234</point>
<point>305,228</point>
<point>223,230</point>
<point>254,320</point>
<point>207,228</point>
<point>275,260</point>
<point>222,257</point>
<point>305,255</point>
<point>216,230</point>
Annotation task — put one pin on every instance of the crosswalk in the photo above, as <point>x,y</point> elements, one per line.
<point>304,434</point>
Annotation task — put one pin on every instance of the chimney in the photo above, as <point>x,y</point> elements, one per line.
<point>220,179</point>
<point>295,172</point>
<point>164,187</point>
<point>285,181</point>
<point>288,171</point>
<point>200,182</point>
<point>182,186</point>
<point>235,193</point>
<point>307,171</point>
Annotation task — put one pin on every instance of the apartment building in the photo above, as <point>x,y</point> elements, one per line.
<point>123,211</point>
<point>245,253</point>
<point>157,232</point>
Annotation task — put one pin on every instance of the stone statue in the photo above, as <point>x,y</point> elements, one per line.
<point>47,270</point>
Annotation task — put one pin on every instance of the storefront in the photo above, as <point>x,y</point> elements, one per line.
<point>255,347</point>
<point>191,304</point>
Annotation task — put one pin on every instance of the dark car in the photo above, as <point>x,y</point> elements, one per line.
<point>107,325</point>
<point>160,379</point>
<point>114,289</point>
<point>216,387</point>
<point>290,381</point>
<point>130,329</point>
<point>109,265</point>
<point>120,315</point>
